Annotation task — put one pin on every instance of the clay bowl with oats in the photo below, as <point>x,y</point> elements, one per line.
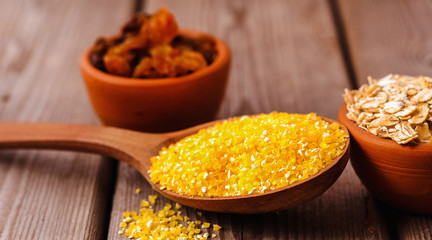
<point>398,175</point>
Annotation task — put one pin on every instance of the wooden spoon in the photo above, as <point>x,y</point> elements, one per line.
<point>136,149</point>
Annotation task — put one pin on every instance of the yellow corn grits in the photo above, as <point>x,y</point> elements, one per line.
<point>163,224</point>
<point>248,155</point>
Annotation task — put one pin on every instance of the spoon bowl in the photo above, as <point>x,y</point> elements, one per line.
<point>136,149</point>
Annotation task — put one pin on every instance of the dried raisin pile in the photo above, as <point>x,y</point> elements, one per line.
<point>152,47</point>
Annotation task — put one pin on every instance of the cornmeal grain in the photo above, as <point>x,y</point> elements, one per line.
<point>248,155</point>
<point>163,224</point>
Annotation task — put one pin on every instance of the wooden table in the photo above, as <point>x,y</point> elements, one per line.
<point>292,56</point>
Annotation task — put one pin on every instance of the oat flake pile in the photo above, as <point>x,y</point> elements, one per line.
<point>395,106</point>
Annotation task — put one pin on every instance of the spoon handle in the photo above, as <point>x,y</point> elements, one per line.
<point>125,145</point>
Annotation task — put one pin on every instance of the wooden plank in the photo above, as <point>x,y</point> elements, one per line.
<point>391,37</point>
<point>388,37</point>
<point>286,57</point>
<point>407,226</point>
<point>49,194</point>
<point>278,52</point>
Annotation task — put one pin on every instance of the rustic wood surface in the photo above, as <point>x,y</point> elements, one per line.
<point>292,56</point>
<point>50,194</point>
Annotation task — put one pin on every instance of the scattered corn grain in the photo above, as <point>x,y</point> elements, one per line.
<point>144,203</point>
<point>216,227</point>
<point>126,214</point>
<point>152,199</point>
<point>138,190</point>
<point>248,155</point>
<point>163,224</point>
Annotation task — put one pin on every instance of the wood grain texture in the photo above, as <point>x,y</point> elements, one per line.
<point>286,57</point>
<point>284,53</point>
<point>388,36</point>
<point>391,37</point>
<point>49,194</point>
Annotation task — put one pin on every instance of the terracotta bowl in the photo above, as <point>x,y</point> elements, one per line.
<point>398,175</point>
<point>158,105</point>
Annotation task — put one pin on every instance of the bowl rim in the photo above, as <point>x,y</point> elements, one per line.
<point>359,133</point>
<point>222,59</point>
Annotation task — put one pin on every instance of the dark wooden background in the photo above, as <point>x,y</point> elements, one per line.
<point>292,56</point>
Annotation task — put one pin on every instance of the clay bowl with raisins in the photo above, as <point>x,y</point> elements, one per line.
<point>397,175</point>
<point>158,104</point>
